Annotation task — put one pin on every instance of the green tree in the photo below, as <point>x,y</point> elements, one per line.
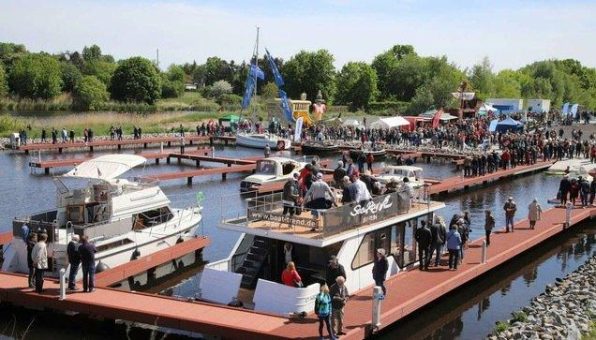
<point>219,89</point>
<point>172,82</point>
<point>35,76</point>
<point>9,53</point>
<point>482,79</point>
<point>269,90</point>
<point>103,70</point>
<point>136,79</point>
<point>3,86</point>
<point>89,94</point>
<point>310,72</point>
<point>404,79</point>
<point>507,84</point>
<point>422,101</point>
<point>356,85</point>
<point>71,76</point>
<point>91,53</point>
<point>445,79</point>
<point>217,69</point>
<point>385,63</point>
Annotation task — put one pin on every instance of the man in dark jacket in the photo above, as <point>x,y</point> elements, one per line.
<point>74,259</point>
<point>438,231</point>
<point>334,269</point>
<point>380,268</point>
<point>424,238</point>
<point>290,195</point>
<point>564,187</point>
<point>339,296</point>
<point>338,174</point>
<point>87,252</point>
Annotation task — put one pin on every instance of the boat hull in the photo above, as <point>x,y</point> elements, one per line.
<point>260,141</point>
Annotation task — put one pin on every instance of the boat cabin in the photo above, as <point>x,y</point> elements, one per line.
<point>272,169</point>
<point>350,232</point>
<point>399,172</point>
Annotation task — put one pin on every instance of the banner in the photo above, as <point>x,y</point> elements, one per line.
<point>249,88</point>
<point>279,81</point>
<point>285,106</point>
<point>298,131</point>
<point>437,118</point>
<point>465,95</point>
<point>573,110</point>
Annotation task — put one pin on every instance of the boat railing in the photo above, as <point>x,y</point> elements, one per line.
<point>267,212</point>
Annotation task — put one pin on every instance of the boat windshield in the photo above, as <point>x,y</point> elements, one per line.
<point>266,167</point>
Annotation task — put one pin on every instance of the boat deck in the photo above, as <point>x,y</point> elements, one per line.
<point>407,292</point>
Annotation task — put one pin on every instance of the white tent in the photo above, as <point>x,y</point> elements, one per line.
<point>486,108</point>
<point>351,122</point>
<point>445,116</point>
<point>390,122</point>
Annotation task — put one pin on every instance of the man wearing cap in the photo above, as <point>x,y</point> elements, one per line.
<point>379,269</point>
<point>316,197</point>
<point>74,259</point>
<point>334,269</point>
<point>290,195</point>
<point>510,208</point>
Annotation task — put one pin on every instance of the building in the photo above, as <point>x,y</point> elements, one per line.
<point>538,105</point>
<point>507,105</point>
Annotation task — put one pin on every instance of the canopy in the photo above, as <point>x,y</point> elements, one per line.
<point>351,122</point>
<point>486,108</point>
<point>509,124</point>
<point>445,116</point>
<point>390,122</point>
<point>231,118</point>
<point>106,167</point>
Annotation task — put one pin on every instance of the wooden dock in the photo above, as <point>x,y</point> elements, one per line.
<point>145,142</point>
<point>407,292</point>
<point>223,170</point>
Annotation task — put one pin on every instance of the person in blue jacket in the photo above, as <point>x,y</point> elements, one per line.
<point>453,245</point>
<point>323,311</point>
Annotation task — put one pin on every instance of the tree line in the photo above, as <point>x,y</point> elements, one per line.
<point>397,80</point>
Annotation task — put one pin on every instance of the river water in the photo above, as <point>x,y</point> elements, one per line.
<point>23,192</point>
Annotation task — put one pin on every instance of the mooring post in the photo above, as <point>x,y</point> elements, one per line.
<point>62,284</point>
<point>484,252</point>
<point>161,147</point>
<point>376,307</point>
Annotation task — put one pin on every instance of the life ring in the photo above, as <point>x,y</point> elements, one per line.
<point>281,145</point>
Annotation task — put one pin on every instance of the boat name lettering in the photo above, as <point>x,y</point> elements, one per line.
<point>295,221</point>
<point>372,207</point>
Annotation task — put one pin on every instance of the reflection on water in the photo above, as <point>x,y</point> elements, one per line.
<point>471,312</point>
<point>24,193</point>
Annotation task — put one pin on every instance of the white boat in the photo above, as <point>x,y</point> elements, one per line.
<point>271,170</point>
<point>397,173</point>
<point>250,275</point>
<point>261,140</point>
<point>571,165</point>
<point>124,219</point>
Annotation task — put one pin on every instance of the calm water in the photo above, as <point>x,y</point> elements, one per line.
<point>23,193</point>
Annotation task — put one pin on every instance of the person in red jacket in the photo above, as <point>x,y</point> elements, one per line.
<point>290,276</point>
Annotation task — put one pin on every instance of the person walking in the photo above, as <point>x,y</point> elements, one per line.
<point>339,296</point>
<point>534,212</point>
<point>424,238</point>
<point>453,246</point>
<point>489,225</point>
<point>379,269</point>
<point>31,241</point>
<point>438,231</point>
<point>74,259</point>
<point>290,195</point>
<point>87,252</point>
<point>323,310</point>
<point>510,208</point>
<point>334,269</point>
<point>39,256</point>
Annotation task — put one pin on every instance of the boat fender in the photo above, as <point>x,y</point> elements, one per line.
<point>101,267</point>
<point>135,254</point>
<point>281,145</point>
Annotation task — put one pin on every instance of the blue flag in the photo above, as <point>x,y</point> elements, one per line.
<point>279,81</point>
<point>249,87</point>
<point>285,106</point>
<point>256,72</point>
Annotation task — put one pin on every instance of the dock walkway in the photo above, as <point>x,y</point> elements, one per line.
<point>407,292</point>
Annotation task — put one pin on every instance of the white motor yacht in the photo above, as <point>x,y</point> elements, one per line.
<point>124,219</point>
<point>271,170</point>
<point>261,140</point>
<point>399,172</point>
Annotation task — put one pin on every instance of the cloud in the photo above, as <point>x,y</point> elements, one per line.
<point>510,34</point>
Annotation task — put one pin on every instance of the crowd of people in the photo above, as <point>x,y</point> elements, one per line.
<point>80,252</point>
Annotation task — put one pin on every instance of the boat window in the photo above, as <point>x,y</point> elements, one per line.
<point>112,245</point>
<point>287,168</point>
<point>370,243</point>
<point>151,218</point>
<point>266,167</point>
<point>410,253</point>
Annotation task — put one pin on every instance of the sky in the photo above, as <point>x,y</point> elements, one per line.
<point>510,33</point>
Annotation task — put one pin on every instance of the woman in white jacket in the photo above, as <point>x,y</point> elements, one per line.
<point>534,212</point>
<point>39,255</point>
